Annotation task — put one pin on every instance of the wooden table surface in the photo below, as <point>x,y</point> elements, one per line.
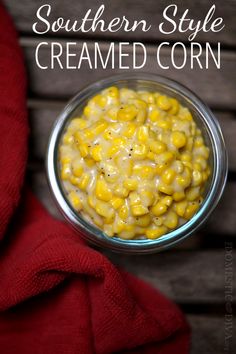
<point>193,273</point>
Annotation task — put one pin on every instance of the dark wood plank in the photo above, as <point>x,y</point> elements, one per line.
<point>221,222</point>
<point>208,335</point>
<point>214,86</point>
<point>185,276</point>
<point>44,114</point>
<point>24,12</point>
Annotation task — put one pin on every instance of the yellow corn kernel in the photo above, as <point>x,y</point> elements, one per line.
<point>127,113</point>
<point>166,189</point>
<point>143,133</point>
<point>88,111</point>
<point>158,220</point>
<point>91,201</point>
<point>123,212</point>
<point>141,116</point>
<point>131,184</point>
<point>167,200</point>
<point>126,93</point>
<point>179,166</point>
<point>178,139</point>
<point>171,220</point>
<point>197,166</point>
<point>139,209</point>
<point>110,170</point>
<point>108,134</point>
<point>68,139</point>
<point>178,196</point>
<point>163,102</point>
<point>88,133</point>
<point>78,137</point>
<point>112,113</point>
<point>65,160</point>
<point>77,168</point>
<point>112,92</point>
<point>84,150</point>
<point>147,172</point>
<point>147,97</point>
<point>147,198</point>
<point>108,229</point>
<point>189,144</point>
<point>84,181</point>
<point>191,210</point>
<point>130,130</point>
<point>104,209</point>
<point>202,162</point>
<point>100,100</point>
<point>121,142</point>
<point>65,172</point>
<point>139,151</point>
<point>113,150</point>
<point>74,180</point>
<point>89,162</point>
<point>143,221</point>
<point>168,176</point>
<point>157,146</point>
<point>137,169</point>
<point>121,191</point>
<point>164,124</point>
<point>102,190</point>
<point>186,157</point>
<point>118,226</point>
<point>79,123</point>
<point>205,176</point>
<point>184,114</point>
<point>127,234</point>
<point>96,153</point>
<point>142,109</point>
<point>134,198</point>
<point>198,142</point>
<point>159,209</point>
<point>164,158</point>
<point>117,202</point>
<point>180,208</point>
<point>192,193</point>
<point>188,164</point>
<point>205,152</point>
<point>110,218</point>
<point>160,168</point>
<point>174,106</point>
<point>99,127</point>
<point>151,155</point>
<point>183,181</point>
<point>155,233</point>
<point>154,115</point>
<point>141,104</point>
<point>196,178</point>
<point>75,200</point>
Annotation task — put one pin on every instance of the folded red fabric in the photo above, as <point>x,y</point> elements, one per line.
<point>57,295</point>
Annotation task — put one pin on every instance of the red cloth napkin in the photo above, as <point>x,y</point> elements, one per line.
<point>57,295</point>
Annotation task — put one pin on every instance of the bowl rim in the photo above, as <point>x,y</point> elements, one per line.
<point>219,175</point>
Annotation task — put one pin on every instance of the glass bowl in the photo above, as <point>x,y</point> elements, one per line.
<point>205,120</point>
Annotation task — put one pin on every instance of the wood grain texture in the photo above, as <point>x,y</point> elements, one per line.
<point>185,276</point>
<point>221,222</point>
<point>24,14</point>
<point>208,335</point>
<point>214,86</point>
<point>44,114</point>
